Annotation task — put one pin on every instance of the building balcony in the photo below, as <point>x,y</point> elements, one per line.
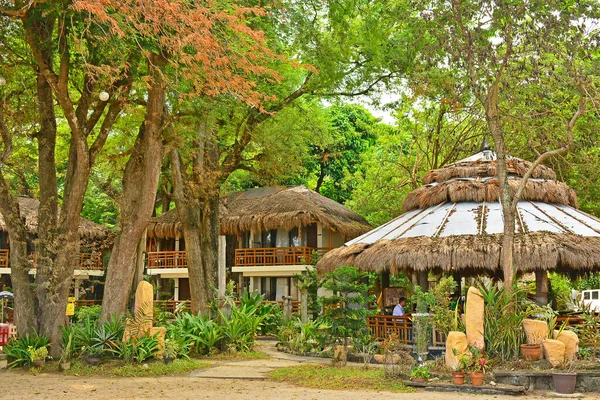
<point>88,262</point>
<point>3,258</point>
<point>271,256</point>
<point>166,259</point>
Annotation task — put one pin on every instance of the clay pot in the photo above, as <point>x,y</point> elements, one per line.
<point>93,361</point>
<point>38,363</point>
<point>476,378</point>
<point>531,352</point>
<point>564,382</point>
<point>64,366</point>
<point>458,377</point>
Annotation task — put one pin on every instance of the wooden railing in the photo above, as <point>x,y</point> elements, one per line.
<point>275,255</point>
<point>90,262</point>
<point>382,326</point>
<point>87,261</point>
<point>3,258</point>
<point>167,259</point>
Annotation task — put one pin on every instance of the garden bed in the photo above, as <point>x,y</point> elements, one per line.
<point>587,381</point>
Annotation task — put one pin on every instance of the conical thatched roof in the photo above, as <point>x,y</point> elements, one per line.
<point>268,208</point>
<point>455,222</point>
<point>28,209</point>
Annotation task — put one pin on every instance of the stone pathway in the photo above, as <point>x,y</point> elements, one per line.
<point>255,369</point>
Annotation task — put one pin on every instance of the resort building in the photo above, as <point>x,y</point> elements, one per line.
<point>268,235</point>
<point>94,241</point>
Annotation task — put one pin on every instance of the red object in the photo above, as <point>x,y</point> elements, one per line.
<point>4,330</point>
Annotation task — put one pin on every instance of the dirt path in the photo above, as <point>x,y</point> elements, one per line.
<point>245,380</point>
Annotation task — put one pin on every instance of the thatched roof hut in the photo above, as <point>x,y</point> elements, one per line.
<point>28,209</point>
<point>454,222</point>
<point>268,208</point>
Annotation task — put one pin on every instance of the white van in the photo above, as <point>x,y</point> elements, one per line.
<point>591,299</point>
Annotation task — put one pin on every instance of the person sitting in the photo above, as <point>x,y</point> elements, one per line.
<point>399,309</point>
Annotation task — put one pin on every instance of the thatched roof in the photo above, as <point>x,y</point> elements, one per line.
<point>268,208</point>
<point>457,224</point>
<point>28,209</point>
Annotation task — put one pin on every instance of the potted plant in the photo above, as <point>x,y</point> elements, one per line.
<point>93,355</point>
<point>532,352</point>
<point>565,379</point>
<point>37,356</point>
<point>65,355</point>
<point>171,350</point>
<point>479,365</point>
<point>458,375</point>
<point>420,374</point>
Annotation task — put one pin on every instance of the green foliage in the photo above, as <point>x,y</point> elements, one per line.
<point>444,318</point>
<point>559,294</point>
<point>88,313</point>
<point>302,338</point>
<point>18,350</point>
<point>119,368</point>
<point>271,315</point>
<point>171,349</point>
<point>503,317</point>
<point>346,309</point>
<point>201,333</point>
<point>240,327</point>
<point>39,354</point>
<point>89,335</point>
<point>420,372</point>
<point>310,282</point>
<point>422,320</point>
<point>591,281</point>
<point>589,332</point>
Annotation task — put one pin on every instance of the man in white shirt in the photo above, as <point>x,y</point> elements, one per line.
<point>399,309</point>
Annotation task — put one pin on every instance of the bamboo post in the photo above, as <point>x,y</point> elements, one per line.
<point>304,304</point>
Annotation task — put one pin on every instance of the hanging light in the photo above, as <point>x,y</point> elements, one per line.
<point>103,96</point>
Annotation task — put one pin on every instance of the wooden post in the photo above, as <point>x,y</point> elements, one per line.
<point>304,300</point>
<point>176,289</point>
<point>240,283</point>
<point>422,278</point>
<point>541,288</point>
<point>222,256</point>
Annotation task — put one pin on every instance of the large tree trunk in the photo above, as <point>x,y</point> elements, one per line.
<point>201,233</point>
<point>140,183</point>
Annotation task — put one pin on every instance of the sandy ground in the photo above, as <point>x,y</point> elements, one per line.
<point>227,380</point>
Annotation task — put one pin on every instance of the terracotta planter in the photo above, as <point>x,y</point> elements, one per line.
<point>64,366</point>
<point>476,378</point>
<point>531,352</point>
<point>458,377</point>
<point>564,382</point>
<point>38,363</point>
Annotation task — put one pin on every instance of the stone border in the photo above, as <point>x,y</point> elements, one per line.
<point>535,380</point>
<point>510,390</point>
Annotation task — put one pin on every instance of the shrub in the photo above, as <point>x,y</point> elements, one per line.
<point>421,372</point>
<point>88,313</point>
<point>240,328</point>
<point>201,333</point>
<point>346,310</point>
<point>39,354</point>
<point>503,317</point>
<point>18,350</point>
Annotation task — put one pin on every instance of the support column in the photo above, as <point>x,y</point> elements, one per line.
<point>222,257</point>
<point>422,279</point>
<point>76,289</point>
<point>541,288</point>
<point>240,283</point>
<point>176,289</point>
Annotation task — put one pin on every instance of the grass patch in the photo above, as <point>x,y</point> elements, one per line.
<point>121,368</point>
<point>320,376</point>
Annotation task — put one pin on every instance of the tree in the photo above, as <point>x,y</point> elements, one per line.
<point>494,54</point>
<point>38,38</point>
<point>346,309</point>
<point>346,50</point>
<point>193,50</point>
